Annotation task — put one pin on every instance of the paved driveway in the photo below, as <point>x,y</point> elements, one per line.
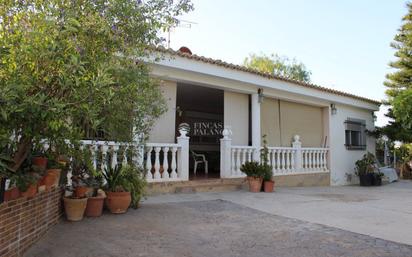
<point>290,222</point>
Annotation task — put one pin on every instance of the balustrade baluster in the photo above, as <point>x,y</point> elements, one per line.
<point>278,168</point>
<point>287,152</point>
<point>244,156</point>
<point>157,163</point>
<point>165,163</point>
<point>238,162</point>
<point>104,149</point>
<point>149,163</point>
<point>124,162</point>
<point>92,149</point>
<point>114,149</point>
<point>233,164</point>
<point>173,173</point>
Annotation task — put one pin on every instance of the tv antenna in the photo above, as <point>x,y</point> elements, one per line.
<point>179,24</point>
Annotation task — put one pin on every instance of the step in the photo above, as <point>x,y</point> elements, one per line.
<point>193,186</point>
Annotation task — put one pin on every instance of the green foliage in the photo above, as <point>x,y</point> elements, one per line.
<point>126,178</point>
<point>69,67</point>
<point>277,65</point>
<point>5,170</point>
<point>399,83</point>
<point>395,130</point>
<point>134,182</point>
<point>252,169</point>
<point>366,164</point>
<point>264,159</point>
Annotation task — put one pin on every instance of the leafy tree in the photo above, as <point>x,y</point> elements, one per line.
<point>394,130</point>
<point>399,82</point>
<point>277,65</point>
<point>66,65</point>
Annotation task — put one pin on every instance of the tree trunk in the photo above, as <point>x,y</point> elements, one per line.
<point>23,149</point>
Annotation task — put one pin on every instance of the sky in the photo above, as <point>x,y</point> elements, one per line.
<point>344,43</point>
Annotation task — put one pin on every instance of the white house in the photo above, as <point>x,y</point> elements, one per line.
<point>218,113</point>
<point>313,133</point>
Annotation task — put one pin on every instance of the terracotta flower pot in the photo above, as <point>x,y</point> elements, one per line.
<point>118,202</point>
<point>39,161</point>
<point>30,192</point>
<point>80,191</point>
<point>48,180</point>
<point>268,186</point>
<point>56,173</point>
<point>255,184</point>
<point>94,206</point>
<point>11,194</point>
<point>74,208</point>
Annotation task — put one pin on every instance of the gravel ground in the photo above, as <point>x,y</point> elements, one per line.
<point>214,228</point>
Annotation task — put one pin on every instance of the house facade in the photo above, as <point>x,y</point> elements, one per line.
<point>219,112</point>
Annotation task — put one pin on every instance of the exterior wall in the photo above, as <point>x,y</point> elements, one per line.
<point>164,128</point>
<point>24,221</point>
<point>270,121</point>
<point>342,161</point>
<point>236,115</point>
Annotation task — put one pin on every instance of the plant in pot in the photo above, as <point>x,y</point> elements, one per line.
<point>38,156</point>
<point>7,173</point>
<point>26,183</point>
<point>82,170</point>
<point>118,198</point>
<point>135,182</point>
<point>365,169</point>
<point>268,182</point>
<point>253,171</point>
<point>95,201</point>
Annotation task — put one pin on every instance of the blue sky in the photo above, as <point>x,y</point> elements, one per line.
<point>344,43</point>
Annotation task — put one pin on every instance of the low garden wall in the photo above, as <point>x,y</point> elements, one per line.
<point>23,221</point>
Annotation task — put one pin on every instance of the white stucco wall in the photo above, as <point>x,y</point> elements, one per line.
<point>342,161</point>
<point>163,130</point>
<point>236,115</point>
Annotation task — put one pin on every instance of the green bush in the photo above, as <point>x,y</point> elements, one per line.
<point>126,178</point>
<point>252,169</point>
<point>366,164</point>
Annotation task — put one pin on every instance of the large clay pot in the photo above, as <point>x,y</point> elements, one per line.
<point>74,208</point>
<point>11,194</point>
<point>80,191</point>
<point>255,184</point>
<point>39,161</point>
<point>268,186</point>
<point>94,206</point>
<point>118,202</point>
<point>56,173</point>
<point>30,192</point>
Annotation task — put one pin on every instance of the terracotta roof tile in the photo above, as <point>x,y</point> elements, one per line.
<point>263,74</point>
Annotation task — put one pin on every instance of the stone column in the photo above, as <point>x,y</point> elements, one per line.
<point>225,148</point>
<point>183,155</point>
<point>256,132</point>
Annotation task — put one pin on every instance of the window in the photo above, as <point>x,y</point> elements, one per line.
<point>355,134</point>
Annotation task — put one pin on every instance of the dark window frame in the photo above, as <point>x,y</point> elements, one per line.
<point>355,134</point>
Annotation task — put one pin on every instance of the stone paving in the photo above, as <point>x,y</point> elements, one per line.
<point>214,228</point>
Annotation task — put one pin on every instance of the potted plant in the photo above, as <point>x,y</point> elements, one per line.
<point>39,158</point>
<point>6,173</point>
<point>96,200</point>
<point>134,182</point>
<point>268,182</point>
<point>365,169</point>
<point>26,183</point>
<point>82,170</point>
<point>74,207</point>
<point>118,199</point>
<point>253,171</point>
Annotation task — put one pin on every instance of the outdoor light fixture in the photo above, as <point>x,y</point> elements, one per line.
<point>333,109</point>
<point>260,95</point>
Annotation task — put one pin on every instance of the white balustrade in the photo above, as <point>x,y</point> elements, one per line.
<point>161,161</point>
<point>283,160</point>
